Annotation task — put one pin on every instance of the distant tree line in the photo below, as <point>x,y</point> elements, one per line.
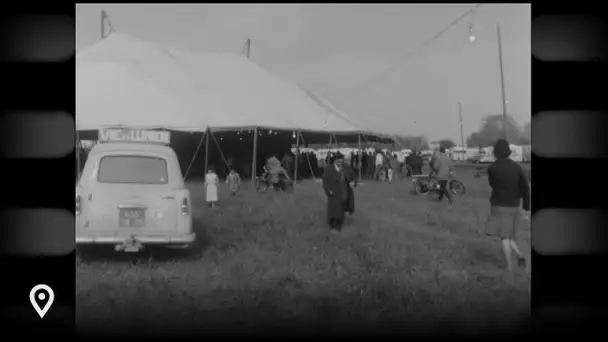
<point>491,129</point>
<point>418,142</point>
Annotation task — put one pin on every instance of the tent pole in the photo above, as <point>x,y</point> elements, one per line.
<point>219,149</point>
<point>255,156</point>
<point>308,160</point>
<point>198,148</point>
<point>360,154</point>
<point>78,150</point>
<point>295,170</point>
<point>207,149</point>
<point>328,158</point>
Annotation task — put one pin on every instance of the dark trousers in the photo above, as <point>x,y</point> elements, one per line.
<point>443,190</point>
<point>335,223</point>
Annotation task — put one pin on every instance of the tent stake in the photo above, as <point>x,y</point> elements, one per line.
<point>255,156</point>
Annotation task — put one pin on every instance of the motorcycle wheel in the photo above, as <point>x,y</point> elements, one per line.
<point>420,189</point>
<point>457,188</point>
<point>260,186</point>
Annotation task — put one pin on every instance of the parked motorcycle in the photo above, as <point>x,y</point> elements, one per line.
<point>423,184</point>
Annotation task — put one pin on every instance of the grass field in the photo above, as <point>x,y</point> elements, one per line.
<point>265,262</point>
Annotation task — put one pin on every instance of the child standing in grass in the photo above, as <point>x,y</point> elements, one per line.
<point>211,185</point>
<point>234,182</point>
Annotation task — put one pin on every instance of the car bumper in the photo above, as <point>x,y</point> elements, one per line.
<point>145,240</point>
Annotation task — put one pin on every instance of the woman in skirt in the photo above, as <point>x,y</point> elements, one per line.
<point>211,184</point>
<point>509,187</point>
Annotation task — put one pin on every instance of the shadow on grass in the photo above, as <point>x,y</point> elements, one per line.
<point>289,309</point>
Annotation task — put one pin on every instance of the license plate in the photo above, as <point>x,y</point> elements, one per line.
<point>129,218</point>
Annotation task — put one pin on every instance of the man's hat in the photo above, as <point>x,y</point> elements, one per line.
<point>339,156</point>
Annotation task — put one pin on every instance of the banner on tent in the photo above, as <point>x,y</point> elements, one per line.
<point>133,135</point>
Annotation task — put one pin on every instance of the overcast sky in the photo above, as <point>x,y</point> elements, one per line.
<point>335,49</point>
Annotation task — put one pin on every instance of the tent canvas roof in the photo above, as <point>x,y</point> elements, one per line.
<point>122,81</point>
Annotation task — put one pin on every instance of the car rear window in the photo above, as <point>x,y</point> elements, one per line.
<point>132,169</point>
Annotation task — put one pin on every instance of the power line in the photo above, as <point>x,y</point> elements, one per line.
<point>409,55</point>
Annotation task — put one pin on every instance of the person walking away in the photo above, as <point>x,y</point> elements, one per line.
<point>211,186</point>
<point>417,162</point>
<point>440,166</point>
<point>338,184</point>
<point>510,188</point>
<point>409,164</point>
<point>234,182</point>
<point>379,163</point>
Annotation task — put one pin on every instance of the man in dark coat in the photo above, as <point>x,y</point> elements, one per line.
<point>338,183</point>
<point>408,162</point>
<point>417,163</point>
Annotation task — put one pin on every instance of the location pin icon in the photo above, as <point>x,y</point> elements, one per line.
<point>41,297</point>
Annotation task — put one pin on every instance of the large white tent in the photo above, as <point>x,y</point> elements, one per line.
<point>123,81</point>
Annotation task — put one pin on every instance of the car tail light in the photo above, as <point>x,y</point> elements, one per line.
<point>78,204</point>
<point>185,207</point>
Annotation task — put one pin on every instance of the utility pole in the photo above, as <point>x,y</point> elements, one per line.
<point>461,133</point>
<point>502,83</point>
<point>248,47</point>
<point>104,16</point>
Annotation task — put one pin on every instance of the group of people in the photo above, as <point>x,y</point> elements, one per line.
<point>212,182</point>
<point>509,184</point>
<point>374,163</point>
<point>278,170</point>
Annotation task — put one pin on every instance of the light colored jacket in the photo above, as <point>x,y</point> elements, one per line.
<point>441,163</point>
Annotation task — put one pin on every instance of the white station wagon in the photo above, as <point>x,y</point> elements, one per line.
<point>131,193</point>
